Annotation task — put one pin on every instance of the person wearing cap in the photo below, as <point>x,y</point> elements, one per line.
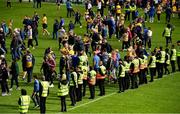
<point>121,77</point>
<point>15,73</point>
<point>92,82</point>
<point>152,66</point>
<point>80,84</point>
<point>73,85</point>
<point>173,58</point>
<point>43,94</point>
<point>24,102</point>
<point>101,74</point>
<point>178,54</point>
<point>63,91</point>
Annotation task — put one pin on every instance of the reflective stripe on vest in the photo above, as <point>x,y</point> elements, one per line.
<point>103,69</point>
<point>82,60</point>
<point>173,58</point>
<point>45,85</point>
<point>63,90</point>
<point>136,65</point>
<point>127,66</point>
<point>122,71</point>
<point>85,72</point>
<point>141,64</point>
<point>92,79</point>
<point>145,61</point>
<point>167,32</point>
<point>25,101</point>
<point>153,63</point>
<point>163,54</point>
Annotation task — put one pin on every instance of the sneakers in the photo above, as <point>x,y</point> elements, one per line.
<point>4,94</point>
<point>17,88</point>
<point>36,106</point>
<point>80,26</point>
<point>10,89</point>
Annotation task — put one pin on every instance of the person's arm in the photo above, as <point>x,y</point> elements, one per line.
<point>171,54</point>
<point>166,57</point>
<point>150,61</point>
<point>120,70</point>
<point>163,33</point>
<point>19,101</point>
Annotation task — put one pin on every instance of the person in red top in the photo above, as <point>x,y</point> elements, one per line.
<point>52,64</point>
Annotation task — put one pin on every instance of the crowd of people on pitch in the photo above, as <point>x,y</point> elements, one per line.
<point>76,71</point>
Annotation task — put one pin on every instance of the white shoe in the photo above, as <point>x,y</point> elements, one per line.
<point>4,94</point>
<point>80,26</point>
<point>17,88</point>
<point>51,85</point>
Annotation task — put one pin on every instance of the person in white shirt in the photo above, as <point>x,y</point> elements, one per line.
<point>30,40</point>
<point>149,33</point>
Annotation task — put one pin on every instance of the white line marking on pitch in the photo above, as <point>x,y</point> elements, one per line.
<point>92,101</point>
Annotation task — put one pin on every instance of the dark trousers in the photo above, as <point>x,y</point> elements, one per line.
<point>42,105</point>
<point>69,12</point>
<point>35,99</point>
<point>30,42</point>
<point>35,37</point>
<point>101,87</point>
<point>79,92</point>
<point>4,86</point>
<point>133,15</point>
<point>168,18</point>
<point>38,4</point>
<point>121,82</point>
<point>140,75</point>
<point>29,74</point>
<point>159,16</point>
<point>161,67</point>
<point>125,45</point>
<point>157,68</point>
<point>72,94</point>
<point>84,87</point>
<point>149,42</point>
<point>9,4</point>
<point>134,82</point>
<point>152,73</point>
<point>127,16</point>
<point>14,78</point>
<point>178,62</point>
<point>77,21</point>
<point>63,104</point>
<point>127,80</point>
<point>166,68</point>
<point>145,16</point>
<point>50,72</point>
<point>92,91</point>
<point>173,66</point>
<point>168,40</point>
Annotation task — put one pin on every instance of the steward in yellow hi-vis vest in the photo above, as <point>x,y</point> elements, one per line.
<point>92,82</point>
<point>161,62</point>
<point>121,76</point>
<point>152,66</point>
<point>167,61</point>
<point>63,91</point>
<point>43,93</point>
<point>167,34</point>
<point>80,83</point>
<point>135,71</point>
<point>173,58</point>
<point>127,64</point>
<point>24,102</point>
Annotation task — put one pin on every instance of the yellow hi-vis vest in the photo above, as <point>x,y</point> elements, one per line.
<point>118,9</point>
<point>122,71</point>
<point>178,50</point>
<point>82,60</point>
<point>92,77</point>
<point>153,63</point>
<point>167,32</point>
<point>103,69</point>
<point>133,8</point>
<point>136,65</point>
<point>141,63</point>
<point>127,66</point>
<point>163,54</point>
<point>25,101</point>
<point>45,87</point>
<point>85,72</point>
<point>73,77</point>
<point>168,60</point>
<point>145,61</point>
<point>80,79</point>
<point>63,90</point>
<point>173,58</point>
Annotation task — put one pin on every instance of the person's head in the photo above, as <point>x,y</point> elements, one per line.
<point>149,28</point>
<point>63,77</point>
<point>161,48</point>
<point>178,42</point>
<point>23,92</point>
<point>43,78</point>
<point>173,46</point>
<point>44,14</point>
<point>100,63</point>
<point>168,26</point>
<point>90,68</point>
<point>56,21</point>
<point>152,53</point>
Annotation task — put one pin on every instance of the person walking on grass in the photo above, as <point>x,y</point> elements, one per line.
<point>44,25</point>
<point>35,96</point>
<point>30,37</point>
<point>173,58</point>
<point>9,3</point>
<point>15,73</point>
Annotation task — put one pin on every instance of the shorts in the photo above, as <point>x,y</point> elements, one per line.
<point>44,26</point>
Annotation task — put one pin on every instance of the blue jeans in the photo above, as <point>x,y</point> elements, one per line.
<point>55,34</point>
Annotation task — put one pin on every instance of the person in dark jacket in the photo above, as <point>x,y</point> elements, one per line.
<point>78,18</point>
<point>15,73</point>
<point>168,12</point>
<point>55,29</point>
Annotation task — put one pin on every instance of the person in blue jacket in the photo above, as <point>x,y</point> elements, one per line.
<point>151,14</point>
